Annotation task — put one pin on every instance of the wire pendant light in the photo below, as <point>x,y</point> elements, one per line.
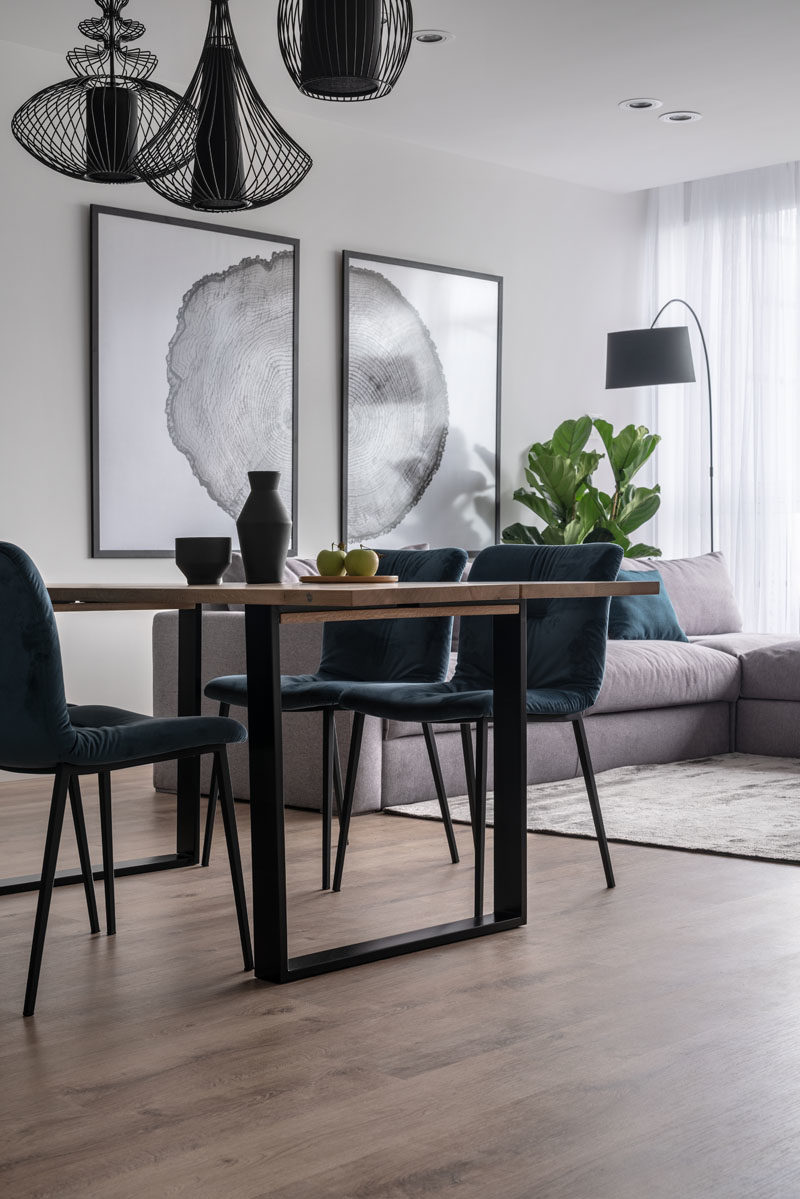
<point>232,151</point>
<point>345,49</point>
<point>91,126</point>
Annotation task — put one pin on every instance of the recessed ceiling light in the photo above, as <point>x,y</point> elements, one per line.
<point>429,37</point>
<point>678,118</point>
<point>640,102</point>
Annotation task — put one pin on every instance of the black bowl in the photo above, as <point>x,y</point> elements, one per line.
<point>203,560</point>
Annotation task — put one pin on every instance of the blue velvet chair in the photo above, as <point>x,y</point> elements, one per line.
<point>566,661</point>
<point>406,651</point>
<point>41,734</point>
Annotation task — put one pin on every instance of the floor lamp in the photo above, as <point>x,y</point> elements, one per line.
<point>651,357</point>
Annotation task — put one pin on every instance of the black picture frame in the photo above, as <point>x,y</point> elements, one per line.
<point>102,542</point>
<point>402,531</point>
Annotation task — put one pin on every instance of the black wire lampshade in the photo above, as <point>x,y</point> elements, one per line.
<point>91,127</point>
<point>649,357</point>
<point>345,49</point>
<point>232,151</point>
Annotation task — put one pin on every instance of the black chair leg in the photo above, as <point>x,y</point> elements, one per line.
<point>232,840</point>
<point>211,810</point>
<point>441,795</point>
<point>579,730</point>
<point>328,746</point>
<point>469,770</point>
<point>55,823</point>
<point>106,836</point>
<point>83,851</point>
<point>338,789</point>
<point>481,771</point>
<point>349,792</point>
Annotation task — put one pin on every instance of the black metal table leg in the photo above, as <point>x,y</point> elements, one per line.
<point>265,742</point>
<point>510,766</point>
<point>190,645</point>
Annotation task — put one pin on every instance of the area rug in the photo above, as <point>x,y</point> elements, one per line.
<point>739,805</point>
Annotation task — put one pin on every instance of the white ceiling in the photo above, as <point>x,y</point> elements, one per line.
<point>532,84</point>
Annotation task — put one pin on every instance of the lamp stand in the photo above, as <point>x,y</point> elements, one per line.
<point>677,300</point>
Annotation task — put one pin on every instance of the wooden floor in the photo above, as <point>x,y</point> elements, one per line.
<point>636,1044</point>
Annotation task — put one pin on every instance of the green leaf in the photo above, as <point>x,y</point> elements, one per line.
<point>574,532</point>
<point>537,504</point>
<point>617,534</point>
<point>570,437</point>
<point>606,432</point>
<point>628,451</point>
<point>559,479</point>
<point>642,506</point>
<point>642,551</point>
<point>518,534</point>
<point>590,506</point>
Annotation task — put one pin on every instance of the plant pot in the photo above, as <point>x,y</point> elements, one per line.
<point>264,529</point>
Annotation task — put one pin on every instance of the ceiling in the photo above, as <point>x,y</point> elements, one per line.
<point>528,83</point>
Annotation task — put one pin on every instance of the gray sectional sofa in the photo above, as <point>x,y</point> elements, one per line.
<point>661,701</point>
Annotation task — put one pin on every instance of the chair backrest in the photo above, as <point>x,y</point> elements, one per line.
<point>35,729</point>
<point>413,651</point>
<point>566,637</point>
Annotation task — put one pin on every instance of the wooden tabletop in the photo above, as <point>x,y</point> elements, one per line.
<point>147,596</point>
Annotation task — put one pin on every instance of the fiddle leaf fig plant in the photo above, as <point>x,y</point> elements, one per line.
<point>563,497</point>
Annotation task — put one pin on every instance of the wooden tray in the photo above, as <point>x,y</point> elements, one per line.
<point>351,580</point>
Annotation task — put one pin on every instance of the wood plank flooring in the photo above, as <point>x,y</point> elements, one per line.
<point>636,1044</point>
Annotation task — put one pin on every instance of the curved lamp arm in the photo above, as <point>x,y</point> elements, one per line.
<point>678,300</point>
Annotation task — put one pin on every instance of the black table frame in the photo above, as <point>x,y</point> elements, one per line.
<point>270,939</point>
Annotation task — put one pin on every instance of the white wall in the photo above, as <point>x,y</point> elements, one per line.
<point>569,255</point>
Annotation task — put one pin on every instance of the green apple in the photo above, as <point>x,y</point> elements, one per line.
<point>361,562</point>
<point>332,561</point>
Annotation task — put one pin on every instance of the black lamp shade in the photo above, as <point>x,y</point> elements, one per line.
<point>90,127</point>
<point>231,152</point>
<point>345,49</point>
<point>340,44</point>
<point>649,357</point>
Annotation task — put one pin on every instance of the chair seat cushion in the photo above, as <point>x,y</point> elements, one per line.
<point>434,703</point>
<point>107,736</point>
<point>416,702</point>
<point>299,692</point>
<point>663,674</point>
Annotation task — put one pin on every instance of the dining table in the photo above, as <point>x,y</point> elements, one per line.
<point>270,606</point>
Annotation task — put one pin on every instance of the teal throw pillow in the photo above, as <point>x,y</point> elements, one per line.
<point>643,617</point>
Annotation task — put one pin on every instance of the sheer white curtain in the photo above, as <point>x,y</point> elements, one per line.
<point>730,247</point>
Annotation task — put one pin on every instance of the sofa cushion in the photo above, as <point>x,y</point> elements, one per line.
<point>741,643</point>
<point>650,674</point>
<point>643,617</point>
<point>772,672</point>
<point>663,674</point>
<point>700,590</point>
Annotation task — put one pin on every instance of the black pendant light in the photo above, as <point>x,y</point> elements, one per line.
<point>345,49</point>
<point>91,127</point>
<point>233,152</point>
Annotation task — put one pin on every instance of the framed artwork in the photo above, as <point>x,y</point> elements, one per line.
<point>421,404</point>
<point>194,377</point>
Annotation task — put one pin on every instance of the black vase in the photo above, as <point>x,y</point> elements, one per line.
<point>264,528</point>
<point>203,560</point>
